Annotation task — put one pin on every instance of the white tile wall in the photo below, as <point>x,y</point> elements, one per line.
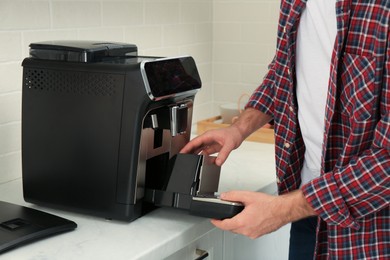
<point>243,46</point>
<point>232,41</point>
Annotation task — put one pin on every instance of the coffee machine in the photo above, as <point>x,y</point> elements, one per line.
<point>102,129</point>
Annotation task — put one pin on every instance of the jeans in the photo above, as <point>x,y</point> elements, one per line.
<point>303,239</point>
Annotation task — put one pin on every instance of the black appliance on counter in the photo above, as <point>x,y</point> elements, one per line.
<point>102,129</point>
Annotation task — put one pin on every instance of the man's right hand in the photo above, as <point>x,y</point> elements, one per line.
<point>221,141</point>
<point>225,140</point>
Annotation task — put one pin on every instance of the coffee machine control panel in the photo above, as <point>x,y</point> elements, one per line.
<point>168,77</point>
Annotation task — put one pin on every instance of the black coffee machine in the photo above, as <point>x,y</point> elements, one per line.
<point>102,129</point>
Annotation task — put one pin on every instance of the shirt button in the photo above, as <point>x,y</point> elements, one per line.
<point>287,145</point>
<point>291,109</point>
<point>288,71</point>
<point>278,180</point>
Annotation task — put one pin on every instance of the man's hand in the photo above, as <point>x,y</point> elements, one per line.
<point>224,140</point>
<point>221,141</point>
<point>264,213</point>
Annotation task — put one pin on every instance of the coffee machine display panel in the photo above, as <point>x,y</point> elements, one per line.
<point>168,77</point>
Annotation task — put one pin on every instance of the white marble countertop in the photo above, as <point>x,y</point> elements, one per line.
<point>153,236</point>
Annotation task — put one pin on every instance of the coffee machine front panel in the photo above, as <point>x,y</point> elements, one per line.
<point>160,141</point>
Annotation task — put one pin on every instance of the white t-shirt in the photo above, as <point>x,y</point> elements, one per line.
<point>316,36</point>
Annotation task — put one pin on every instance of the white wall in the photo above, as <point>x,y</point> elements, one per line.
<point>232,42</point>
<point>243,46</point>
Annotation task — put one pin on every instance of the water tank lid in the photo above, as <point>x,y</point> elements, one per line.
<point>81,51</point>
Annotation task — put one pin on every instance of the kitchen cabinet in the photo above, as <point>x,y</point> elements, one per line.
<point>209,246</point>
<point>272,246</point>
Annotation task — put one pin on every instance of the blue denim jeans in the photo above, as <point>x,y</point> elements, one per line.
<point>303,239</point>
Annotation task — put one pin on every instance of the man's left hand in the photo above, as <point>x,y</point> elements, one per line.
<point>264,213</point>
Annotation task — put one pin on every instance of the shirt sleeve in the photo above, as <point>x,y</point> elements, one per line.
<point>262,98</point>
<point>361,187</point>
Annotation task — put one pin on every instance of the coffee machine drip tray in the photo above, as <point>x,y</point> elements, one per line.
<point>192,186</point>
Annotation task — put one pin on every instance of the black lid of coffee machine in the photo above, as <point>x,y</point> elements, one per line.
<point>80,51</point>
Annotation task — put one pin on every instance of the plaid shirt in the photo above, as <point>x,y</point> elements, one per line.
<point>352,194</point>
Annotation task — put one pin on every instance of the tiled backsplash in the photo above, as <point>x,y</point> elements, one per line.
<point>232,42</point>
<point>243,46</point>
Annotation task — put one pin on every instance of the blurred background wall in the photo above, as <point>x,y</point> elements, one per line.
<point>232,42</point>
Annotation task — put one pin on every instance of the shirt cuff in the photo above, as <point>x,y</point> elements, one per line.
<point>325,198</point>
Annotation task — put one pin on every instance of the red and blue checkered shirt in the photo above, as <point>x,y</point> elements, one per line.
<point>352,194</point>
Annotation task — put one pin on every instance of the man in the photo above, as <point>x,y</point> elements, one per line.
<point>328,92</point>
